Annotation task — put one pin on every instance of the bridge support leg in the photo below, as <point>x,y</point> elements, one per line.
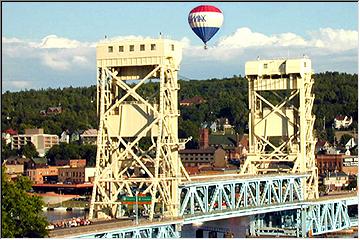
<point>300,222</point>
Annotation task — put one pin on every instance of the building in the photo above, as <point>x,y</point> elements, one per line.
<point>77,163</point>
<point>89,136</point>
<point>64,137</point>
<point>235,146</point>
<point>7,135</point>
<point>27,163</point>
<point>350,165</point>
<point>62,162</point>
<point>203,157</point>
<point>329,163</point>
<point>51,111</point>
<point>336,180</point>
<point>192,101</point>
<point>14,170</point>
<point>76,175</point>
<point>341,121</point>
<point>321,146</point>
<point>54,110</point>
<point>43,175</point>
<point>40,162</point>
<point>220,126</point>
<point>42,142</point>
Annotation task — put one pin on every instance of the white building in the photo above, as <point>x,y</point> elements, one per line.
<point>342,121</point>
<point>42,142</point>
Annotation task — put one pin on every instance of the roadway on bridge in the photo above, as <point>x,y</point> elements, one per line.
<point>110,225</point>
<point>117,224</point>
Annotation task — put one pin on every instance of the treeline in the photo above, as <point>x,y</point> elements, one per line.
<point>335,94</point>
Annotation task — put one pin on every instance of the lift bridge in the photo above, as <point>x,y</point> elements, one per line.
<point>138,151</point>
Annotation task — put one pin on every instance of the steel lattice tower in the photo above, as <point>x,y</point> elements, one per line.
<point>280,120</point>
<point>138,132</point>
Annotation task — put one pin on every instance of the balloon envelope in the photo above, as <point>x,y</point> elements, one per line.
<point>205,21</point>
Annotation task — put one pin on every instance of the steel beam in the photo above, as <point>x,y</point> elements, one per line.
<point>159,231</point>
<point>239,194</point>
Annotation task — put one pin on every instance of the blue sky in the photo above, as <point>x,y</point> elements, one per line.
<point>326,32</point>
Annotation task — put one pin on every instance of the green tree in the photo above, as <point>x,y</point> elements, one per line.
<point>6,150</point>
<point>21,213</point>
<point>28,150</point>
<point>344,139</point>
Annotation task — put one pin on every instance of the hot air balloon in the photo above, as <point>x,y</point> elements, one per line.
<point>205,21</point>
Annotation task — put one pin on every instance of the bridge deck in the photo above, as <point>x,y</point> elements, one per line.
<point>116,224</point>
<point>109,225</point>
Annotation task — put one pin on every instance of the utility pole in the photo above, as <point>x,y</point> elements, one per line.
<point>136,207</point>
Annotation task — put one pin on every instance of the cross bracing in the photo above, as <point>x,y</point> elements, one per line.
<point>234,194</point>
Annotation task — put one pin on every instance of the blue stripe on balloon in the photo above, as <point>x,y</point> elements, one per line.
<point>205,33</point>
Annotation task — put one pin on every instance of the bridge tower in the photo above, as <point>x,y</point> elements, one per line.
<point>137,144</point>
<point>280,120</point>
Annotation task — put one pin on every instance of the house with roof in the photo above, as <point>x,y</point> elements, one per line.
<point>16,165</point>
<point>75,136</point>
<point>196,100</point>
<point>89,136</point>
<point>236,146</point>
<point>65,137</point>
<point>7,134</point>
<point>321,146</point>
<point>341,121</point>
<point>54,110</point>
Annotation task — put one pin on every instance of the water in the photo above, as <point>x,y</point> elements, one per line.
<point>238,226</point>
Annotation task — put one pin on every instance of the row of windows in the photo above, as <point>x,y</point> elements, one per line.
<point>132,48</point>
<point>198,159</point>
<point>72,174</point>
<point>266,65</point>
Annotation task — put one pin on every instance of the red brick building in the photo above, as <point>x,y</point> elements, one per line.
<point>41,175</point>
<point>337,162</point>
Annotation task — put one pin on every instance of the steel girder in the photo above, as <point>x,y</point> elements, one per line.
<point>122,156</point>
<point>327,217</point>
<point>162,231</point>
<point>288,145</point>
<point>310,220</point>
<point>237,194</point>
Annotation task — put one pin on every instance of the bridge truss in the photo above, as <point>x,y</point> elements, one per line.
<point>239,193</point>
<point>138,133</point>
<point>157,231</point>
<point>280,120</point>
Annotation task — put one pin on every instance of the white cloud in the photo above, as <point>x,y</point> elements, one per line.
<point>55,61</point>
<point>53,41</point>
<point>17,84</point>
<point>334,39</point>
<point>10,40</point>
<point>329,49</point>
<point>79,60</point>
<point>246,42</point>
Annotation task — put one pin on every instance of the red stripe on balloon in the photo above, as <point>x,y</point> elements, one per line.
<point>205,8</point>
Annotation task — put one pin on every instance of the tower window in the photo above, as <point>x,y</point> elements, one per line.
<point>142,47</point>
<point>110,49</point>
<point>153,47</point>
<point>121,48</point>
<point>131,48</point>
